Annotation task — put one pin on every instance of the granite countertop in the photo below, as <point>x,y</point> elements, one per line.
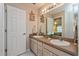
<point>72,49</point>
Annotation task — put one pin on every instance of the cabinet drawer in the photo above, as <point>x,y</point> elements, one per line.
<point>56,51</point>
<point>39,43</point>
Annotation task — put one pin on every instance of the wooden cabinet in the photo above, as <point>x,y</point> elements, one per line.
<point>55,51</point>
<point>42,49</point>
<point>39,52</point>
<point>34,46</point>
<point>47,52</point>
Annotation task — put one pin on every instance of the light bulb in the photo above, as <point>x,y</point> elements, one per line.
<point>54,3</point>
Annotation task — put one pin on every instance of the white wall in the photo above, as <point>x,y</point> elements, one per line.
<point>30,24</point>
<point>69,17</point>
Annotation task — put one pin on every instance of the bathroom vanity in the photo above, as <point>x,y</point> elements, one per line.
<point>41,46</point>
<point>61,23</point>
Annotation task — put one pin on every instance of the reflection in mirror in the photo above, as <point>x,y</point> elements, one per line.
<point>75,7</point>
<point>50,26</point>
<point>57,28</point>
<point>60,21</point>
<point>54,26</point>
<point>42,25</point>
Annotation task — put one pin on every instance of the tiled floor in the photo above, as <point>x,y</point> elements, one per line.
<point>27,53</point>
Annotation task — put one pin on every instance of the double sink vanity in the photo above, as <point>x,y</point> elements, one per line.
<point>60,21</point>
<point>43,46</point>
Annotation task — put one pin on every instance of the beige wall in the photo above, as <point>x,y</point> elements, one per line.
<point>27,7</point>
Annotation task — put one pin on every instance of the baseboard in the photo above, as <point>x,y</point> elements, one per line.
<point>21,53</point>
<point>27,49</point>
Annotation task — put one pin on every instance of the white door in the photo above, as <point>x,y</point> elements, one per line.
<point>1,29</point>
<point>16,31</point>
<point>78,29</point>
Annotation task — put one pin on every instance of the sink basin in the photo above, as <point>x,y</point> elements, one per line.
<point>38,36</point>
<point>59,43</point>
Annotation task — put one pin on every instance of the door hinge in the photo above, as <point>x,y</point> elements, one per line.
<point>5,10</point>
<point>5,50</point>
<point>5,30</point>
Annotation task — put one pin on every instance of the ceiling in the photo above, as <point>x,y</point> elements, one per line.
<point>39,5</point>
<point>35,5</point>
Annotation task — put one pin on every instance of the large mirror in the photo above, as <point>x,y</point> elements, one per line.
<point>52,22</point>
<point>60,21</point>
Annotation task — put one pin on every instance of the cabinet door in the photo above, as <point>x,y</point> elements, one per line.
<point>47,53</point>
<point>39,52</point>
<point>40,48</point>
<point>55,51</point>
<point>40,43</point>
<point>35,48</point>
<point>34,45</point>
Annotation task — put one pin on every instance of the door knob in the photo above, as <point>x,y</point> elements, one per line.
<point>24,33</point>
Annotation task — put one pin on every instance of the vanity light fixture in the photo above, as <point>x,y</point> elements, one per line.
<point>55,23</point>
<point>44,10</point>
<point>32,16</point>
<point>54,3</point>
<point>33,3</point>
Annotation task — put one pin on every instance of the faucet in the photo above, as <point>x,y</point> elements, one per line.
<point>60,38</point>
<point>39,31</point>
<point>33,29</point>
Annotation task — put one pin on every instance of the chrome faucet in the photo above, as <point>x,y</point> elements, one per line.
<point>60,38</point>
<point>39,31</point>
